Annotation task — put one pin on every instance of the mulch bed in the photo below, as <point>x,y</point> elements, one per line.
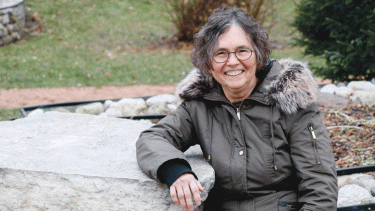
<point>351,128</point>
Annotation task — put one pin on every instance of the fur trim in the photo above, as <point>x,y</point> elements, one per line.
<point>293,88</point>
<point>194,85</point>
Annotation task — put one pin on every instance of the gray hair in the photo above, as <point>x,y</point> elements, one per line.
<point>219,22</point>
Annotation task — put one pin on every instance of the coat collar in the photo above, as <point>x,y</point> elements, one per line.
<point>289,85</point>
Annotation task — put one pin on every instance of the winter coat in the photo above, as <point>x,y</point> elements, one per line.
<point>272,152</point>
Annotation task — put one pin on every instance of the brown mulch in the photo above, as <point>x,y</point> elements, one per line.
<point>352,132</point>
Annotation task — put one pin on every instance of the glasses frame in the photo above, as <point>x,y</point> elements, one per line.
<point>235,53</point>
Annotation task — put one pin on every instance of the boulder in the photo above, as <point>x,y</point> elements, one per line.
<point>348,198</point>
<point>126,107</point>
<point>92,108</point>
<point>161,99</point>
<point>329,88</point>
<point>343,91</point>
<point>362,86</point>
<point>68,161</point>
<point>365,98</point>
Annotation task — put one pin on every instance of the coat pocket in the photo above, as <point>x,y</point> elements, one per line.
<point>310,127</point>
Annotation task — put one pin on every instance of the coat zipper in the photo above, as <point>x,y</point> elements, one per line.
<point>310,127</point>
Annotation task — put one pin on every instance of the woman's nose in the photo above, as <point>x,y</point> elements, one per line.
<point>232,59</point>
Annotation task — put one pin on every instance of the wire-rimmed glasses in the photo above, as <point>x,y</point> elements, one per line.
<point>222,56</point>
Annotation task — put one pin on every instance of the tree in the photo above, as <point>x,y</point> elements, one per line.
<point>189,15</point>
<point>342,32</point>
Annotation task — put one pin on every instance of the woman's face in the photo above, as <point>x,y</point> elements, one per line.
<point>237,77</point>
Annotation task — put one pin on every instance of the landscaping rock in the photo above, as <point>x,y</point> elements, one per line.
<point>68,161</point>
<point>92,108</point>
<point>126,107</point>
<point>36,112</point>
<point>329,88</point>
<point>362,91</point>
<point>161,99</point>
<point>361,86</point>
<point>343,91</point>
<point>366,98</point>
<point>350,195</point>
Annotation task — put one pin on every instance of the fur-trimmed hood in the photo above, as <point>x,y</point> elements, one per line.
<point>289,85</point>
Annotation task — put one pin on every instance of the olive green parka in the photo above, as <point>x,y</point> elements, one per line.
<point>272,152</point>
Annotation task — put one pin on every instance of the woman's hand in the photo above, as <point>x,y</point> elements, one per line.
<point>184,189</point>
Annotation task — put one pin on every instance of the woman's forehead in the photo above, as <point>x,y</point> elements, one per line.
<point>235,37</point>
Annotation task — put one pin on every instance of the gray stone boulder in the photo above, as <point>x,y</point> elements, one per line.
<point>92,108</point>
<point>67,161</point>
<point>126,107</point>
<point>161,99</point>
<point>350,195</point>
<point>361,86</point>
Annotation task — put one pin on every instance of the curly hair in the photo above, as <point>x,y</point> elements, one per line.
<point>218,23</point>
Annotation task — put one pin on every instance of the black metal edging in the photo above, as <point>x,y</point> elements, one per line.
<point>356,169</point>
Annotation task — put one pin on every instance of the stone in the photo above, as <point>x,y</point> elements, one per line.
<point>329,88</point>
<point>366,98</point>
<point>36,112</point>
<point>107,104</point>
<point>126,107</point>
<point>4,18</point>
<point>343,91</point>
<point>10,27</point>
<point>354,179</point>
<point>92,108</point>
<point>61,109</point>
<point>68,161</point>
<point>348,198</point>
<point>3,31</point>
<point>161,99</point>
<point>362,86</point>
<point>158,109</point>
<point>373,81</point>
<point>15,36</point>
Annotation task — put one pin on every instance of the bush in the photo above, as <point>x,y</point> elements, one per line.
<point>189,15</point>
<point>342,32</point>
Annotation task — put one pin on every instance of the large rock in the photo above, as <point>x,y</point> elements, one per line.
<point>66,161</point>
<point>126,107</point>
<point>350,195</point>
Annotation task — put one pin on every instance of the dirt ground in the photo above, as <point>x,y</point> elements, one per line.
<point>17,98</point>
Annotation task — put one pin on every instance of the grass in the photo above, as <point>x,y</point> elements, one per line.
<point>104,42</point>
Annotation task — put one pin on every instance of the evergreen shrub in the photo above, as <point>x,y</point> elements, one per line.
<point>342,32</point>
<point>189,15</point>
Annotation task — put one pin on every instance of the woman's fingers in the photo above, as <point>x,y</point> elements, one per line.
<point>174,197</point>
<point>184,189</point>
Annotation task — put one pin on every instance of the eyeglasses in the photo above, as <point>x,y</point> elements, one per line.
<point>241,54</point>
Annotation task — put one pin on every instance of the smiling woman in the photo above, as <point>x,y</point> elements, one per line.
<point>256,121</point>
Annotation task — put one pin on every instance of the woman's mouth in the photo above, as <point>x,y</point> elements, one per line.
<point>234,73</point>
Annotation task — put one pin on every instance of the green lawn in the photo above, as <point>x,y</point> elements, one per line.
<point>105,42</point>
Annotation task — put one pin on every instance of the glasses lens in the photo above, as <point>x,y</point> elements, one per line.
<point>220,56</point>
<point>243,54</point>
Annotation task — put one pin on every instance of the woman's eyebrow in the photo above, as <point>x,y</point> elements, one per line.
<point>238,47</point>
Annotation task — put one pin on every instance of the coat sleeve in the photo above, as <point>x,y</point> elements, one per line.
<point>165,141</point>
<point>312,156</point>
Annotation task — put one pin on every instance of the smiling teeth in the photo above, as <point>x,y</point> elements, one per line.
<point>234,73</point>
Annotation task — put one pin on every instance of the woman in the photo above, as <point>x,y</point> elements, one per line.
<point>256,121</point>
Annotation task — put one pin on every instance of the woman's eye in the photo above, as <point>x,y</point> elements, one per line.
<point>221,53</point>
<point>243,51</point>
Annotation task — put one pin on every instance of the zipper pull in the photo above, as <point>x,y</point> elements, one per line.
<point>238,114</point>
<point>312,131</point>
